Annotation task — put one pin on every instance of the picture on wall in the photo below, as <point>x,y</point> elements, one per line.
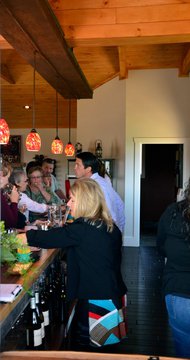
<point>11,152</point>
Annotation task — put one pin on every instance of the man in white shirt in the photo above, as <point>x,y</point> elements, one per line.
<point>87,165</point>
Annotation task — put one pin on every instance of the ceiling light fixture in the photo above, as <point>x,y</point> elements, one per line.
<point>69,148</point>
<point>33,140</point>
<point>57,144</point>
<point>4,128</point>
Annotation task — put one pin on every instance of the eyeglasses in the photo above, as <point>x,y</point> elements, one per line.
<point>35,177</point>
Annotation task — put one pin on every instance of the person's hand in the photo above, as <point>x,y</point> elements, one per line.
<point>47,180</point>
<point>22,238</point>
<point>14,195</point>
<point>22,208</point>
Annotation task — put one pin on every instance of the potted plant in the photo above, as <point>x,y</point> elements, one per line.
<point>12,249</point>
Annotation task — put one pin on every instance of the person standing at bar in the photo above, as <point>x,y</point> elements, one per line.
<point>94,282</point>
<point>87,166</point>
<point>173,240</point>
<point>49,179</point>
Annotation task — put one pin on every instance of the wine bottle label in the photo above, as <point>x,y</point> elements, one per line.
<point>43,329</point>
<point>37,337</point>
<point>46,317</point>
<point>27,337</point>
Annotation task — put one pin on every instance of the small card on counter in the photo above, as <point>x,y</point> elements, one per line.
<point>8,292</point>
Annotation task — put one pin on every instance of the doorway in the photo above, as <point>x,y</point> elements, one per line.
<point>134,240</point>
<point>161,177</point>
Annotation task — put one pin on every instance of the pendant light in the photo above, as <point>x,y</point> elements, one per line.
<point>69,148</point>
<point>33,140</point>
<point>57,144</point>
<point>4,129</point>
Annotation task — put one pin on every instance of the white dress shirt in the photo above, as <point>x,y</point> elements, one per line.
<point>113,201</point>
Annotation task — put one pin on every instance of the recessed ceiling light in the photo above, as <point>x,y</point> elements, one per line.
<point>27,107</point>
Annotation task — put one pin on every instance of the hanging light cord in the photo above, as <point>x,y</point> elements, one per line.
<point>56,114</point>
<point>34,92</point>
<point>69,120</point>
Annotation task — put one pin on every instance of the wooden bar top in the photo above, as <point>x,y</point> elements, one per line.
<point>72,355</point>
<point>9,312</point>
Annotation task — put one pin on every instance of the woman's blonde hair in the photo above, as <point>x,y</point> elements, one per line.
<point>5,167</point>
<point>90,202</point>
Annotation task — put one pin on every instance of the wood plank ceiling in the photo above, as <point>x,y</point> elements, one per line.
<point>108,38</point>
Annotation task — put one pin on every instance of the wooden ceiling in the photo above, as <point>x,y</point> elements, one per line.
<point>107,38</point>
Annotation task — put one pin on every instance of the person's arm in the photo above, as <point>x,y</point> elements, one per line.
<point>162,233</point>
<point>9,213</point>
<point>62,237</point>
<point>61,194</point>
<point>32,205</point>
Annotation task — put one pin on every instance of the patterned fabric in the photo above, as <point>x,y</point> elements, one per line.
<point>107,324</point>
<point>97,322</point>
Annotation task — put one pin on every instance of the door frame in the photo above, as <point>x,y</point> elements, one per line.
<point>138,170</point>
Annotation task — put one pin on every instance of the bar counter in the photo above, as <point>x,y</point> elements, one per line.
<point>71,355</point>
<point>9,312</point>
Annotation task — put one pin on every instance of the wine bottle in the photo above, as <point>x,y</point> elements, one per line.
<point>45,308</point>
<point>62,301</point>
<point>40,313</point>
<point>44,300</point>
<point>33,328</point>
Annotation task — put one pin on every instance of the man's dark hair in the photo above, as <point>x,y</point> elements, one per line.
<point>48,161</point>
<point>89,159</point>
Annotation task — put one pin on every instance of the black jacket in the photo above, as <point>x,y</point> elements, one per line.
<point>173,240</point>
<point>93,258</point>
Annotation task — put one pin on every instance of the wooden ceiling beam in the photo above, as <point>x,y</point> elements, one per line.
<point>185,67</point>
<point>5,74</point>
<point>31,26</point>
<point>123,71</point>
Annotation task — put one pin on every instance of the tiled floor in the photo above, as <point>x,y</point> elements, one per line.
<point>149,332</point>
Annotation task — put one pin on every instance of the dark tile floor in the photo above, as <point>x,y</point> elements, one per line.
<point>148,332</point>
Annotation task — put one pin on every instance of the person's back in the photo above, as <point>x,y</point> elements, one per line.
<point>87,165</point>
<point>173,240</point>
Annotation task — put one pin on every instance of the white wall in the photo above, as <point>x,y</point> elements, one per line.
<point>103,117</point>
<point>47,136</point>
<point>157,106</point>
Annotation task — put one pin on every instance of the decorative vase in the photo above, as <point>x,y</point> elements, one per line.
<point>23,255</point>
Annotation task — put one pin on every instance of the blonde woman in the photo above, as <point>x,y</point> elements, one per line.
<point>93,244</point>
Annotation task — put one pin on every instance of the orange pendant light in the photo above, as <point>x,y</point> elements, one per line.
<point>57,144</point>
<point>69,148</point>
<point>33,140</point>
<point>4,132</point>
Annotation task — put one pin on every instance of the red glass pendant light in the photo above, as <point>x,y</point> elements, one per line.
<point>69,148</point>
<point>33,140</point>
<point>57,144</point>
<point>4,132</point>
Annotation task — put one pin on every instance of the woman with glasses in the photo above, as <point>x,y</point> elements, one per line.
<point>38,191</point>
<point>19,179</point>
